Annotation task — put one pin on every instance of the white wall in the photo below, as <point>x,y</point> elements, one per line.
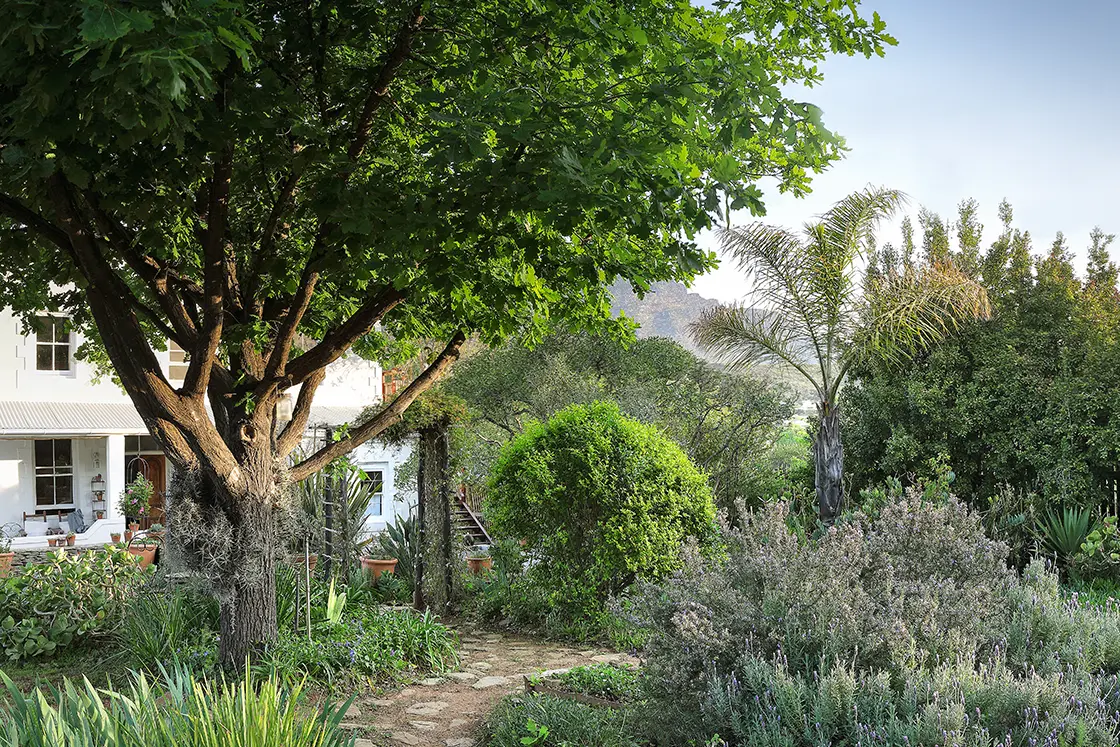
<point>19,381</point>
<point>17,480</point>
<point>397,501</point>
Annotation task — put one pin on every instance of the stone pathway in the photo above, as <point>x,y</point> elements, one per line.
<point>447,711</point>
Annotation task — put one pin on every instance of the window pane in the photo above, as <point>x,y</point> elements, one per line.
<point>64,490</point>
<point>132,444</point>
<point>44,329</point>
<point>148,443</point>
<point>61,329</point>
<point>375,480</point>
<point>44,491</point>
<point>375,505</point>
<point>62,454</point>
<point>44,453</point>
<point>61,357</point>
<point>44,360</point>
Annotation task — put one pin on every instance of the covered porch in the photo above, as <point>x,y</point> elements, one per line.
<point>64,465</point>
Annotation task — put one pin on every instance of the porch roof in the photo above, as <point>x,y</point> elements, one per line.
<point>69,418</point>
<point>111,418</point>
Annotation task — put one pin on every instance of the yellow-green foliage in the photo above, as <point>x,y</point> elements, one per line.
<point>173,711</point>
<point>599,499</point>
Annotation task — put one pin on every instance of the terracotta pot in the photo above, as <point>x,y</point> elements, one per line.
<point>115,537</point>
<point>134,526</point>
<point>128,535</point>
<point>146,553</point>
<point>6,559</point>
<point>478,565</point>
<point>98,515</point>
<point>377,566</point>
<point>71,541</point>
<point>312,561</point>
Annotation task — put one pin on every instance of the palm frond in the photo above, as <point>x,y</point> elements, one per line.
<point>908,312</point>
<point>743,336</point>
<point>849,226</point>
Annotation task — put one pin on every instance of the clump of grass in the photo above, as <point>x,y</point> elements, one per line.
<point>544,720</point>
<point>173,709</point>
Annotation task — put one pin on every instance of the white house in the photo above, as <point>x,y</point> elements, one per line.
<point>70,442</point>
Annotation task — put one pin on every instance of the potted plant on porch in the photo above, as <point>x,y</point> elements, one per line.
<point>71,539</point>
<point>6,556</point>
<point>134,501</point>
<point>479,560</point>
<point>377,563</point>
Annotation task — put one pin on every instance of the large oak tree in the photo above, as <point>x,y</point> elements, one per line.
<point>271,184</point>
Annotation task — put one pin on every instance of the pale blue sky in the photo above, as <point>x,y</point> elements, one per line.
<point>981,98</point>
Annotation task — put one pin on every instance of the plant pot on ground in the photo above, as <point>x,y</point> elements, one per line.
<point>375,566</point>
<point>144,551</point>
<point>479,560</point>
<point>115,537</point>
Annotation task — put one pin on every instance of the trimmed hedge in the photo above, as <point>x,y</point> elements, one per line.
<point>599,500</point>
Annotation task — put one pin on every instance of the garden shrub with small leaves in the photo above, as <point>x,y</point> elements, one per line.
<point>906,628</point>
<point>607,681</point>
<point>545,720</point>
<point>599,500</point>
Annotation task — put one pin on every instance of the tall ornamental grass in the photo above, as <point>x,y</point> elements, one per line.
<point>173,710</point>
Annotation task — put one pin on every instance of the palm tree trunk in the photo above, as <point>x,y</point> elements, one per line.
<point>828,459</point>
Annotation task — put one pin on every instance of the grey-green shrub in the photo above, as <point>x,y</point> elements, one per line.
<point>905,629</point>
<point>174,710</point>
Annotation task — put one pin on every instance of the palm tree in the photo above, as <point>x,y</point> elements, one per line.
<point>816,310</point>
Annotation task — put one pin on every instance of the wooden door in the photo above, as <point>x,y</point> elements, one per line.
<point>154,467</point>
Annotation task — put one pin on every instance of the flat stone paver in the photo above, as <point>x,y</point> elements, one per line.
<point>448,710</point>
<point>486,682</point>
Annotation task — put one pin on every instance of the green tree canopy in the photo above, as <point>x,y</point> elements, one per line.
<point>1025,399</point>
<point>725,422</point>
<point>271,184</point>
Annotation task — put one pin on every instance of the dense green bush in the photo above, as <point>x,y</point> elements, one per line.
<point>599,500</point>
<point>65,600</point>
<point>908,626</point>
<point>545,720</point>
<point>168,627</point>
<point>608,681</point>
<point>365,644</point>
<point>172,711</point>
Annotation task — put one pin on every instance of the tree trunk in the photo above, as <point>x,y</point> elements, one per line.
<point>828,459</point>
<point>248,604</point>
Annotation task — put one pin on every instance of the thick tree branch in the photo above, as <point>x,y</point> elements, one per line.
<point>292,434</point>
<point>20,213</point>
<point>183,429</point>
<point>386,417</point>
<point>336,342</point>
<point>286,335</point>
<point>214,279</point>
<point>394,58</point>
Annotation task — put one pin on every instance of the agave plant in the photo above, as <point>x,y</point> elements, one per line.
<point>349,524</point>
<point>1062,534</point>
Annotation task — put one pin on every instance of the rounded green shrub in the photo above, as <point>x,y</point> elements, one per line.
<point>598,500</point>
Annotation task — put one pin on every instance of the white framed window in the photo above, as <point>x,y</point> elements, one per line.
<point>52,343</point>
<point>54,472</point>
<point>375,480</point>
